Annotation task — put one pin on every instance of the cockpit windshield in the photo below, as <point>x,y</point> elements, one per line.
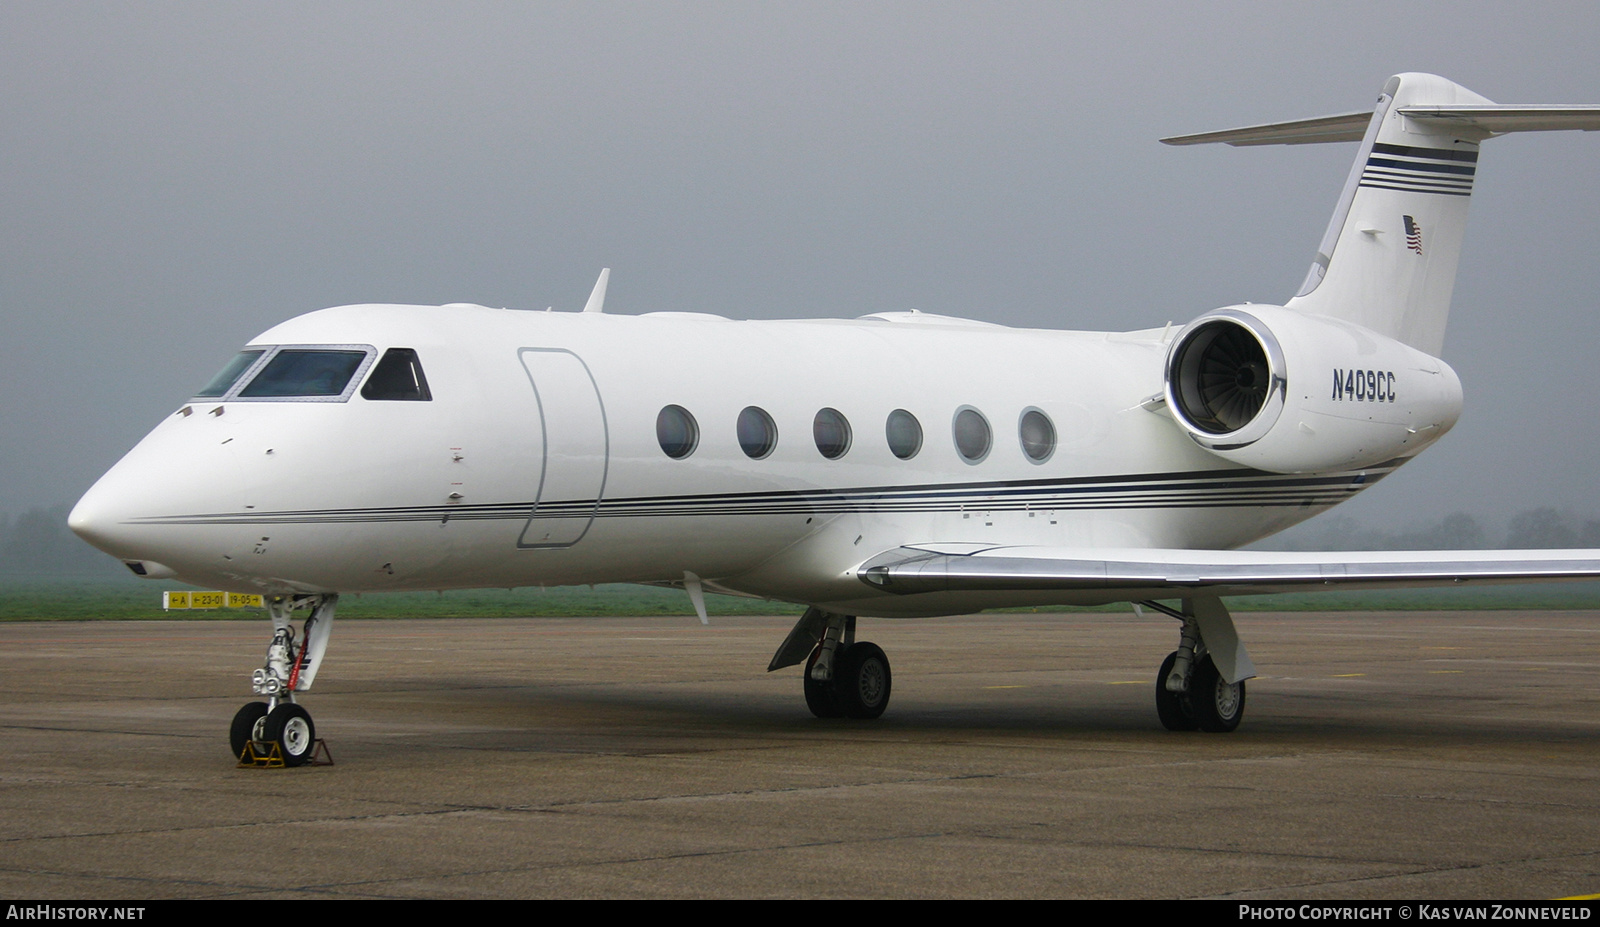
<point>224,379</point>
<point>317,373</point>
<point>304,373</point>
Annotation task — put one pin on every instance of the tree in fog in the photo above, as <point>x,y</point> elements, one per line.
<point>1541,528</point>
<point>1458,531</point>
<point>39,541</point>
<point>1340,532</point>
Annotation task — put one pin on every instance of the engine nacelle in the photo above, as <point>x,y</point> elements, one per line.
<point>1279,390</point>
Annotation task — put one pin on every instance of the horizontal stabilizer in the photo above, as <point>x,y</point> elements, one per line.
<point>1482,121</point>
<point>1159,573</point>
<point>1494,119</point>
<point>1348,127</point>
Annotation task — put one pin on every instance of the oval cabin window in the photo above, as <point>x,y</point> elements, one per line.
<point>758,434</point>
<point>831,430</point>
<point>1038,435</point>
<point>904,433</point>
<point>677,432</point>
<point>972,434</point>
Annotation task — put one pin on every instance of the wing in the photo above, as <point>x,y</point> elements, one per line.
<point>1135,574</point>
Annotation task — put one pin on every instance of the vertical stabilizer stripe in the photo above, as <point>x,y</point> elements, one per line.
<point>1437,154</point>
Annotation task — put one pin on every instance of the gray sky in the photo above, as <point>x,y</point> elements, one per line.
<point>178,177</point>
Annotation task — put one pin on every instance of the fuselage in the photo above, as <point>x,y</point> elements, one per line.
<point>543,456</point>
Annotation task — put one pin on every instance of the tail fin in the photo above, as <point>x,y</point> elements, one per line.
<point>1401,219</point>
<point>1388,259</point>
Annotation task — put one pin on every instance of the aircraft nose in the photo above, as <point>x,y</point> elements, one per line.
<point>104,519</point>
<point>84,521</point>
<point>98,519</point>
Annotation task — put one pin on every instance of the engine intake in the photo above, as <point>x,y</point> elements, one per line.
<point>1229,375</point>
<point>1288,392</point>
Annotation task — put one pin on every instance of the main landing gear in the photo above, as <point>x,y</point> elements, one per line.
<point>279,723</point>
<point>1194,692</point>
<point>844,678</point>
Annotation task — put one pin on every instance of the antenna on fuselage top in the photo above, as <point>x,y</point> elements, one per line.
<point>597,299</point>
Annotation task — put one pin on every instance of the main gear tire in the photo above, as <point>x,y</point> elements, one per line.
<point>1218,706</point>
<point>862,681</point>
<point>1173,708</point>
<point>819,693</point>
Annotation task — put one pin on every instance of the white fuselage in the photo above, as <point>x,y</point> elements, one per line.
<point>537,460</point>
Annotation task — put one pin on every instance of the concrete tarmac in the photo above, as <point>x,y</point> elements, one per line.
<point>1389,755</point>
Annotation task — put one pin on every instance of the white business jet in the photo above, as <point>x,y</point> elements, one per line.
<point>896,465</point>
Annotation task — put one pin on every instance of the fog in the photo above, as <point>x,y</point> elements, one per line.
<point>179,177</point>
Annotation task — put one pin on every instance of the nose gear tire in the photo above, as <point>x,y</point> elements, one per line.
<point>247,726</point>
<point>290,727</point>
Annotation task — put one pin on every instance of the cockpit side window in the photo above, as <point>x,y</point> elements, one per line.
<point>225,378</point>
<point>398,376</point>
<point>304,373</point>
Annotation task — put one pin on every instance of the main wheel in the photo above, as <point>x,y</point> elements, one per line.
<point>290,726</point>
<point>861,680</point>
<point>1218,706</point>
<point>1173,708</point>
<point>819,695</point>
<point>247,726</point>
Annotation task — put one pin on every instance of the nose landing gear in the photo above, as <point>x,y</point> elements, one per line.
<point>279,731</point>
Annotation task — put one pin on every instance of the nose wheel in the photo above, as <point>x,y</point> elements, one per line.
<point>257,729</point>
<point>248,730</point>
<point>290,727</point>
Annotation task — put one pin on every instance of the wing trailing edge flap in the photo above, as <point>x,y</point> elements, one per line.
<point>1138,573</point>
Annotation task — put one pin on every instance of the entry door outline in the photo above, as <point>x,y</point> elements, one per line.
<point>571,528</point>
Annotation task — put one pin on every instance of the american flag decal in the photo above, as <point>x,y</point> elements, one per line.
<point>1413,235</point>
